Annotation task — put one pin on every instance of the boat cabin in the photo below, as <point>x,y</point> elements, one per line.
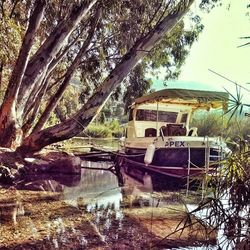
<point>168,112</point>
<point>155,119</point>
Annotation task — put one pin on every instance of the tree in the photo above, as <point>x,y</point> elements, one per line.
<point>101,40</point>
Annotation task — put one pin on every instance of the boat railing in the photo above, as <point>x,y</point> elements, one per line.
<point>210,159</point>
<point>189,165</point>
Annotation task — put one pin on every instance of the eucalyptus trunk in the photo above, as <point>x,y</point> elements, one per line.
<point>51,105</point>
<point>73,126</point>
<point>28,76</point>
<point>39,64</point>
<point>10,131</point>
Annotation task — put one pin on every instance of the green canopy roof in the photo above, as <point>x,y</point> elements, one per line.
<point>195,98</point>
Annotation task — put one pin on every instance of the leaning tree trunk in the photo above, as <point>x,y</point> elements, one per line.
<point>79,122</point>
<point>40,62</point>
<point>8,126</point>
<point>28,76</point>
<point>51,105</point>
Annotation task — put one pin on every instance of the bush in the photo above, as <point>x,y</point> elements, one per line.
<point>210,124</point>
<point>215,124</point>
<point>109,129</point>
<point>115,128</point>
<point>239,128</point>
<point>98,131</point>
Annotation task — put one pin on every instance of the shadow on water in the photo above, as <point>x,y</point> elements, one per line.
<point>91,211</point>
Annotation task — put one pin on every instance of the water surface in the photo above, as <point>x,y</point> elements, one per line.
<point>91,211</point>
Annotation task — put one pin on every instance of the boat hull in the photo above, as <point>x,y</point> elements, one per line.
<point>171,162</point>
<point>174,157</point>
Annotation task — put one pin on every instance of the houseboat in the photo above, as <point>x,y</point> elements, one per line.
<point>159,138</point>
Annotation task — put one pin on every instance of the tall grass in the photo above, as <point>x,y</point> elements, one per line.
<point>215,124</point>
<point>228,202</point>
<point>227,205</point>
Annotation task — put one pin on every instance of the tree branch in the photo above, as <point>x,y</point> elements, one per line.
<point>7,109</point>
<point>61,54</point>
<point>88,112</point>
<point>23,56</point>
<point>34,98</point>
<point>13,8</point>
<point>39,63</point>
<point>35,108</point>
<point>2,9</point>
<point>153,17</point>
<point>1,74</point>
<point>56,98</point>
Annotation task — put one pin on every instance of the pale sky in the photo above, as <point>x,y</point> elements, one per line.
<point>216,48</point>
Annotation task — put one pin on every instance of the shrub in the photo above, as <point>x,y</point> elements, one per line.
<point>98,131</point>
<point>210,124</point>
<point>215,124</point>
<point>109,129</point>
<point>115,128</point>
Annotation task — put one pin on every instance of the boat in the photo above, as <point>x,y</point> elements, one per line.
<point>159,138</point>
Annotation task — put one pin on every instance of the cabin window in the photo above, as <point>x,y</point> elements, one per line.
<point>150,132</point>
<point>151,115</point>
<point>184,118</point>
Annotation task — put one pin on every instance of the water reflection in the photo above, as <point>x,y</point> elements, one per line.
<point>224,231</point>
<point>96,190</point>
<point>91,211</point>
<point>48,182</point>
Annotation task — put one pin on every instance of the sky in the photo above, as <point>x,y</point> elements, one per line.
<point>217,48</point>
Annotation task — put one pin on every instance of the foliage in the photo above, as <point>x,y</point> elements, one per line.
<point>10,41</point>
<point>106,130</point>
<point>171,53</point>
<point>136,86</point>
<point>97,131</point>
<point>208,123</point>
<point>216,124</point>
<point>227,206</point>
<point>69,103</point>
<point>97,42</point>
<point>113,110</point>
<point>116,128</point>
<point>166,58</point>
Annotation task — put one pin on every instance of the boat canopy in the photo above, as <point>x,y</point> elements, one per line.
<point>198,99</point>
